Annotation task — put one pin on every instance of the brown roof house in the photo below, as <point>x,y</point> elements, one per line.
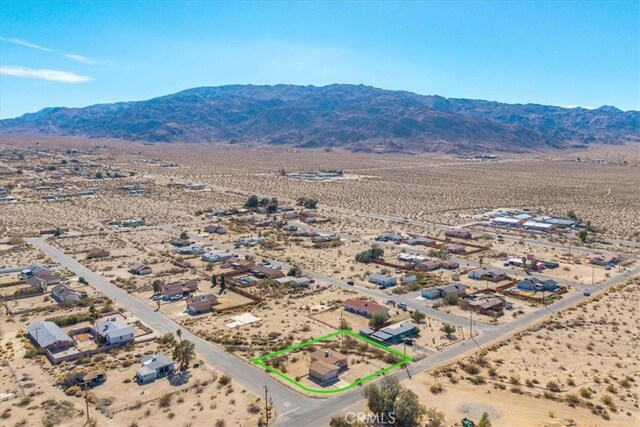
<point>266,272</point>
<point>97,253</point>
<point>454,248</point>
<point>366,308</point>
<point>429,265</point>
<point>201,304</point>
<point>140,269</point>
<point>326,365</point>
<point>182,288</point>
<point>602,258</point>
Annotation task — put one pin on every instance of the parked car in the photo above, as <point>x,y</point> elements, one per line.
<point>398,271</point>
<point>586,293</point>
<point>402,306</point>
<point>156,297</point>
<point>391,302</point>
<point>350,282</point>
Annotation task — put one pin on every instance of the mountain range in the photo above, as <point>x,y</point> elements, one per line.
<point>353,117</point>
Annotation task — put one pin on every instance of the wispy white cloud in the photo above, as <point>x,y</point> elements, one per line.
<point>44,74</point>
<point>27,44</point>
<point>72,56</point>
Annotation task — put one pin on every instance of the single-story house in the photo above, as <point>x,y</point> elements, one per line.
<point>561,222</point>
<point>250,241</point>
<point>450,265</point>
<point>501,221</point>
<point>140,269</point>
<point>324,237</point>
<point>488,305</point>
<point>441,291</point>
<point>323,372</point>
<point>421,241</point>
<point>411,258</point>
<point>215,229</point>
<point>535,284</point>
<point>201,303</point>
<point>36,283</point>
<point>330,356</point>
<point>191,250</point>
<point>265,272</point>
<point>115,331</point>
<point>429,265</point>
<point>49,336</point>
<point>458,234</point>
<point>326,365</point>
<point>294,281</point>
<point>490,275</point>
<point>393,334</point>
<point>539,226</point>
<point>366,308</point>
<point>602,258</point>
<point>454,248</point>
<point>182,288</point>
<point>289,228</point>
<point>97,253</point>
<point>62,293</point>
<point>217,256</point>
<point>382,280</point>
<point>154,366</point>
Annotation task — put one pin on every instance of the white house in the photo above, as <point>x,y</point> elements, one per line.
<point>115,331</point>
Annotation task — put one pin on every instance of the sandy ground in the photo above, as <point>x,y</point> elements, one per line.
<point>580,364</point>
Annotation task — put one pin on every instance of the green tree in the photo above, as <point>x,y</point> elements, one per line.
<point>311,204</point>
<point>93,317</point>
<point>583,235</point>
<point>381,399</point>
<point>293,271</point>
<point>184,236</point>
<point>484,420</point>
<point>179,334</point>
<point>252,202</point>
<point>369,255</point>
<point>448,329</point>
<point>452,299</point>
<point>345,325</point>
<point>407,409</point>
<point>378,319</point>
<point>184,352</point>
<point>157,286</point>
<point>572,215</point>
<point>223,285</point>
<point>214,281</point>
<point>418,316</point>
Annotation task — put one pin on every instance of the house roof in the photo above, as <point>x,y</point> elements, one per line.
<point>328,356</point>
<point>114,327</point>
<point>47,333</point>
<point>365,305</point>
<point>380,277</point>
<point>322,368</point>
<point>398,328</point>
<point>487,303</point>
<point>155,361</point>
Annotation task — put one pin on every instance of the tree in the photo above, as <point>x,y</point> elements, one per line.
<point>214,281</point>
<point>345,325</point>
<point>452,299</point>
<point>223,285</point>
<point>252,202</point>
<point>57,232</point>
<point>418,316</point>
<point>572,215</point>
<point>407,409</point>
<point>311,204</point>
<point>93,317</point>
<point>184,236</point>
<point>157,286</point>
<point>292,271</point>
<point>369,255</point>
<point>484,420</point>
<point>481,260</point>
<point>179,334</point>
<point>583,235</point>
<point>448,329</point>
<point>183,353</point>
<point>378,319</point>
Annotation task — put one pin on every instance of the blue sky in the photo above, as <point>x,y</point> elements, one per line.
<point>65,53</point>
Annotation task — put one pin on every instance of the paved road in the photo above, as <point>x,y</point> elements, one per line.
<point>295,409</point>
<point>248,375</point>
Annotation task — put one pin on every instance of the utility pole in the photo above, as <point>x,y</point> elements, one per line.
<point>593,270</point>
<point>266,405</point>
<point>86,401</point>
<point>470,323</point>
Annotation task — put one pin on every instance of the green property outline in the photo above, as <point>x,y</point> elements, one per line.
<point>259,361</point>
